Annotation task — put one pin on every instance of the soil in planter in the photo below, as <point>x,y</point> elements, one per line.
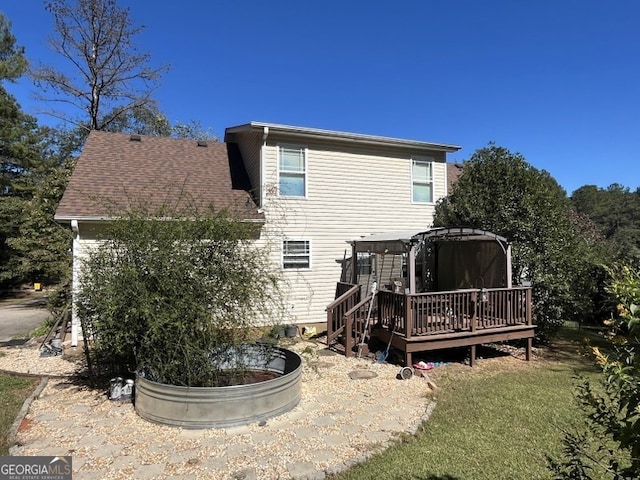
<point>245,378</point>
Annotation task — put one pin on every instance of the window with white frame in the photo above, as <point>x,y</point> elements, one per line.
<point>296,254</point>
<point>292,171</point>
<point>422,180</point>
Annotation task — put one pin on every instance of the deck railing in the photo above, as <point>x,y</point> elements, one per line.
<point>347,297</point>
<point>356,323</point>
<point>424,314</point>
<point>454,311</point>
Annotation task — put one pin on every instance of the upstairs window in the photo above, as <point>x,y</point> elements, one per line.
<point>422,180</point>
<point>292,172</point>
<point>296,254</point>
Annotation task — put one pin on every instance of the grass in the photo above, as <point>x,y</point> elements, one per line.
<point>14,390</point>
<point>495,421</point>
<point>42,329</point>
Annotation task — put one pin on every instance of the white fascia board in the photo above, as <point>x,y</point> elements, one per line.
<point>304,132</point>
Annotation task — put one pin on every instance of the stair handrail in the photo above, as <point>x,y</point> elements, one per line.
<point>353,338</point>
<point>335,323</point>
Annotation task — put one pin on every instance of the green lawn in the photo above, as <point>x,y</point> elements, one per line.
<point>495,421</point>
<point>13,392</point>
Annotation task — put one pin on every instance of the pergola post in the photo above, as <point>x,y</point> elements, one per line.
<point>411,264</point>
<point>509,271</point>
<point>354,264</point>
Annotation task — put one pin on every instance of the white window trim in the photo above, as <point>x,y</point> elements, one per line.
<point>282,254</point>
<point>305,172</point>
<point>431,161</point>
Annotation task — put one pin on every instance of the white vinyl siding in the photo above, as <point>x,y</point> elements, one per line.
<point>354,192</point>
<point>422,180</point>
<point>296,254</point>
<point>292,171</point>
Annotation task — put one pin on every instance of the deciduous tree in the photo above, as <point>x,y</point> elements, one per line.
<point>106,78</point>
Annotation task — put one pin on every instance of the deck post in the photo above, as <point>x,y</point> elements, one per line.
<point>349,340</point>
<point>528,307</point>
<point>408,317</point>
<point>529,345</point>
<point>472,356</point>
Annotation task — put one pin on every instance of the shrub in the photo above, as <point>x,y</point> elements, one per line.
<point>173,298</point>
<point>609,444</point>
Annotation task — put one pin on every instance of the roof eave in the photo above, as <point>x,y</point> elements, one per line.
<point>106,218</point>
<point>316,133</point>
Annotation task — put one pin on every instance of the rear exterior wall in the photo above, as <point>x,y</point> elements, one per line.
<point>350,192</point>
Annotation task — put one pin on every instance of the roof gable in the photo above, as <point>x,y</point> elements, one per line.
<point>117,171</point>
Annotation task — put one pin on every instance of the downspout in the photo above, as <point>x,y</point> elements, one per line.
<point>75,279</point>
<point>263,169</point>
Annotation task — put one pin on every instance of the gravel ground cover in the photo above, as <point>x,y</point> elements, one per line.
<point>338,422</point>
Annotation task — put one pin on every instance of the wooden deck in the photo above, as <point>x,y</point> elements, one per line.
<point>432,321</point>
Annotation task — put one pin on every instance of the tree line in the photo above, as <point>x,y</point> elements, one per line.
<point>105,83</point>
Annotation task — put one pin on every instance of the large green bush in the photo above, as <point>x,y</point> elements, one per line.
<point>174,299</point>
<point>552,246</point>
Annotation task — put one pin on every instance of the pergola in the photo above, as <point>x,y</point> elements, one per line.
<point>436,289</point>
<point>438,259</point>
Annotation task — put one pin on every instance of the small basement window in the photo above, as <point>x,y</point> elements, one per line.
<point>296,254</point>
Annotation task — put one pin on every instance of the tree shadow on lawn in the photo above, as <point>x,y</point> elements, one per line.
<point>573,345</point>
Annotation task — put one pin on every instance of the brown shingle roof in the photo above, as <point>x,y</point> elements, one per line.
<point>454,170</point>
<point>115,172</point>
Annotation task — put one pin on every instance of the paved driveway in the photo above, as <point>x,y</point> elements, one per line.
<point>21,318</point>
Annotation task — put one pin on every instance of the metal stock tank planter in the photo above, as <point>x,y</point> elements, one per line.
<point>275,390</point>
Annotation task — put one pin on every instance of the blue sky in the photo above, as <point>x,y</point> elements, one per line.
<point>556,80</point>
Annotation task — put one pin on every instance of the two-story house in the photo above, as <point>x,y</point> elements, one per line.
<point>319,189</point>
<point>314,190</point>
